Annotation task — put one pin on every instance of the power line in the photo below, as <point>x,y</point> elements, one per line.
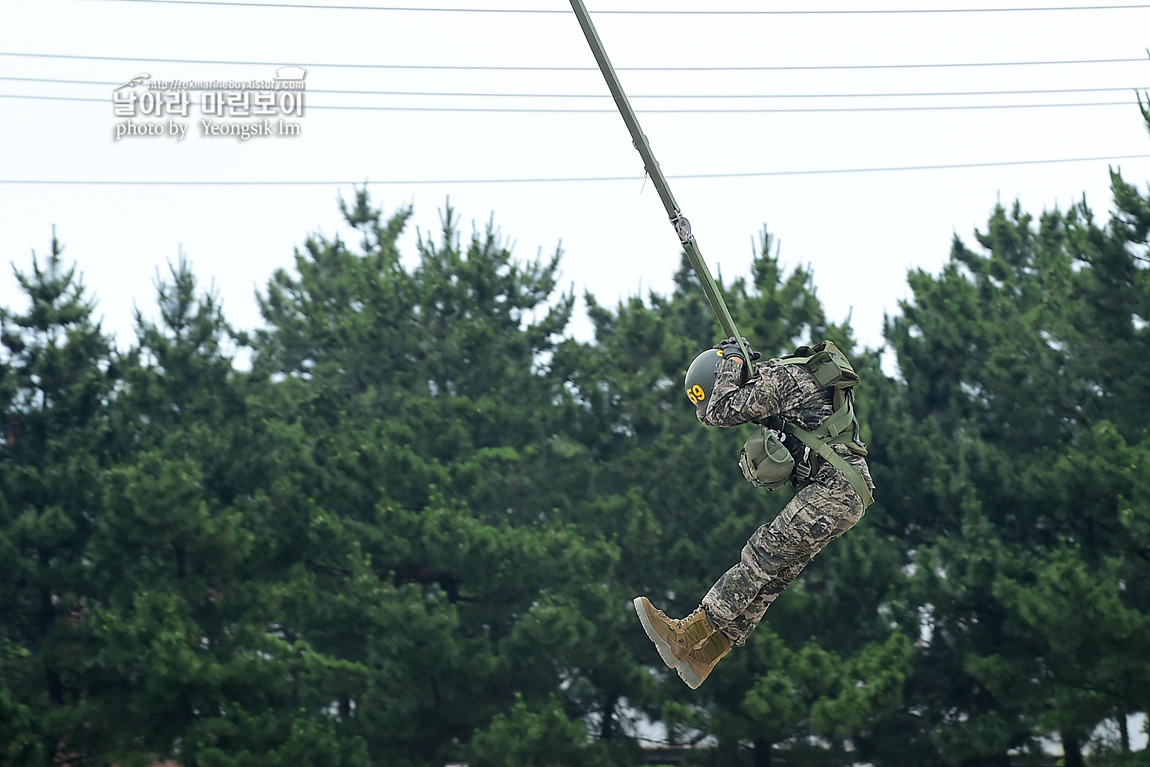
<point>523,68</point>
<point>573,179</point>
<point>606,11</point>
<point>924,94</point>
<point>535,110</point>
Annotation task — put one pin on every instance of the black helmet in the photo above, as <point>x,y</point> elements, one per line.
<point>700,378</point>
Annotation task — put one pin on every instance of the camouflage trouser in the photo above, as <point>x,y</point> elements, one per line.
<point>777,553</point>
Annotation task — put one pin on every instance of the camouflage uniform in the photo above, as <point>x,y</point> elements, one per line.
<point>825,506</point>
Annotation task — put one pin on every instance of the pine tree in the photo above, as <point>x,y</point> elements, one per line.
<point>446,575</point>
<point>669,493</point>
<point>58,373</point>
<point>1013,449</point>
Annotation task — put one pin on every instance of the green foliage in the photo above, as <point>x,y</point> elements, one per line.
<point>241,740</point>
<point>410,534</point>
<point>21,740</point>
<point>1015,446</point>
<point>57,376</point>
<point>526,738</point>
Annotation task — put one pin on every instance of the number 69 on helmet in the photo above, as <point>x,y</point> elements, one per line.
<point>700,379</point>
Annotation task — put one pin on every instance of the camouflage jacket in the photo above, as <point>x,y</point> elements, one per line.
<point>775,394</point>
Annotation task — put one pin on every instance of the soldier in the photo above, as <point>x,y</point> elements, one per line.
<point>808,436</point>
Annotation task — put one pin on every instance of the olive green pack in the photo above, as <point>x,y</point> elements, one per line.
<point>765,460</point>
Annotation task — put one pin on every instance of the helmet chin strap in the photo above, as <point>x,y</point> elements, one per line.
<point>678,220</point>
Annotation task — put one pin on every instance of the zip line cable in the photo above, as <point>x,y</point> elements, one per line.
<point>719,111</point>
<point>651,167</point>
<point>712,12</point>
<point>572,179</point>
<point>524,68</point>
<point>924,94</point>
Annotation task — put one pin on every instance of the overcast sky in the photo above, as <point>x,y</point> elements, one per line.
<point>859,231</point>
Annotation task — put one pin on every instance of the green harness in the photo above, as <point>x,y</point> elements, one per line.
<point>764,459</point>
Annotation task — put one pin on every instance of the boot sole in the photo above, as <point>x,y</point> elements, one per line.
<point>666,651</point>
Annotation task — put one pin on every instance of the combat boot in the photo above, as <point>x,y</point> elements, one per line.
<point>696,666</point>
<point>673,637</point>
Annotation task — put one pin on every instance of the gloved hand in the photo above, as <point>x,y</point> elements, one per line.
<point>730,350</point>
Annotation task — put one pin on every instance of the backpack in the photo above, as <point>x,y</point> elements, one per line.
<point>766,462</point>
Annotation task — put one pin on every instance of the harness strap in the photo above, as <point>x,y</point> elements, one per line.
<point>842,427</point>
<point>840,422</point>
<point>824,450</point>
<point>831,369</point>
